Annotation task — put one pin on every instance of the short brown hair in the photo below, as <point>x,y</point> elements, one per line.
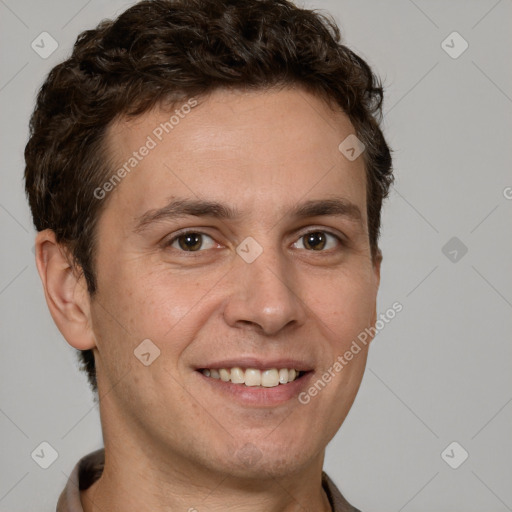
<point>161,51</point>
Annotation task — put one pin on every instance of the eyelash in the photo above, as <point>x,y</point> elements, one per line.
<point>177,236</point>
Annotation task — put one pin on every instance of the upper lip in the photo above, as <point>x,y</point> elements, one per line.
<point>258,363</point>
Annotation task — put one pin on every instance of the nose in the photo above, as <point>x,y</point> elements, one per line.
<point>265,295</point>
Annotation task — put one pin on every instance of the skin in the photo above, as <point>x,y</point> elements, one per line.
<point>173,442</point>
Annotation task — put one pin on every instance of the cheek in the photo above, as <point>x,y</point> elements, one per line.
<point>133,307</point>
<point>158,304</point>
<point>345,305</point>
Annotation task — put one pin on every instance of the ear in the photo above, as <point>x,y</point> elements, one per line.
<point>65,291</point>
<point>376,273</point>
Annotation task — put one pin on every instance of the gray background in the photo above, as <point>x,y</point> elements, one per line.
<point>439,372</point>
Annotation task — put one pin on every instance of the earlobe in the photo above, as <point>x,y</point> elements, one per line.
<point>65,291</point>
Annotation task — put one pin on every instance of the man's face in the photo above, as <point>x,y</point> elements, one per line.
<point>209,300</point>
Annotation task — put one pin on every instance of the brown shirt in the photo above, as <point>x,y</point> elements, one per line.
<point>89,469</point>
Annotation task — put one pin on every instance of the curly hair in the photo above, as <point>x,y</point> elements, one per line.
<point>159,52</point>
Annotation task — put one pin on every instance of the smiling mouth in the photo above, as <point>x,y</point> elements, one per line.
<point>254,377</point>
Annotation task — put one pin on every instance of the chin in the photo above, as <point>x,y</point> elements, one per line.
<point>257,461</point>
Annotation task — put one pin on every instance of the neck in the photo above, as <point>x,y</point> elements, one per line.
<point>132,482</point>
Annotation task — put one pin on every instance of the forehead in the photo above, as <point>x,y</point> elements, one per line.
<point>258,151</point>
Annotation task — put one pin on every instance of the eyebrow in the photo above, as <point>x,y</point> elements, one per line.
<point>338,207</point>
<point>178,208</point>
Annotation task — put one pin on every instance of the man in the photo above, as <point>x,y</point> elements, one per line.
<point>206,178</point>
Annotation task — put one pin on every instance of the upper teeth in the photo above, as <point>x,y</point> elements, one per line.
<point>253,377</point>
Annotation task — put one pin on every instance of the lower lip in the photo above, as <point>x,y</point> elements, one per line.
<point>258,395</point>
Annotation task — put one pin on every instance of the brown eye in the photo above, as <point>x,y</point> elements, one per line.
<point>317,241</point>
<point>192,242</point>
